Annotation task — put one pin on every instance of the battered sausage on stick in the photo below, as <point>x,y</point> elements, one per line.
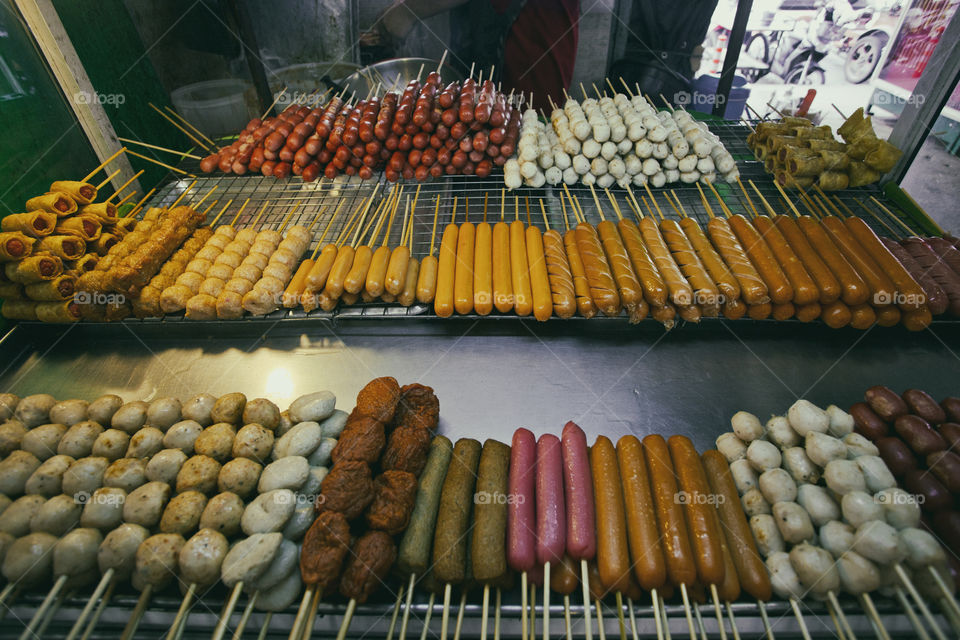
<point>376,280</point>
<point>718,271</point>
<point>581,286</point>
<point>613,555</point>
<point>649,565</point>
<point>488,547</point>
<point>396,275</point>
<point>519,269</point>
<point>681,293</point>
<point>483,265</point>
<point>558,270</point>
<point>317,276</point>
<point>414,551</point>
<point>363,255</point>
<point>654,289</point>
<point>778,286</point>
<point>631,294</point>
<point>446,267</point>
<point>334,286</point>
<point>464,269</point>
<point>539,277</point>
<point>854,290</point>
<point>502,278</point>
<point>752,287</point>
<point>706,294</point>
<point>704,536</point>
<point>427,278</point>
<point>751,571</point>
<point>681,567</point>
<point>409,293</point>
<point>453,518</point>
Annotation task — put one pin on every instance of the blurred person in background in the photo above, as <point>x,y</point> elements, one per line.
<point>532,43</point>
<point>664,45</point>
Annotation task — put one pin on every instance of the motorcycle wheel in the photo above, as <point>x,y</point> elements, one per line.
<point>863,58</point>
<point>815,75</point>
<point>758,48</point>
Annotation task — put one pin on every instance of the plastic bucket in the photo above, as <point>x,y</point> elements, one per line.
<point>216,107</point>
<point>705,87</point>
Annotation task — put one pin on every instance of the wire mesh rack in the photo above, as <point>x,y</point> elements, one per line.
<point>326,205</point>
<point>901,616</point>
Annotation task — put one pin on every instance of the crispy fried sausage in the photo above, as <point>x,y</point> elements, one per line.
<point>649,565</point>
<point>706,294</point>
<point>446,272</point>
<point>718,271</point>
<point>603,288</point>
<point>463,271</point>
<point>580,284</point>
<point>631,294</point>
<point>519,271</point>
<point>805,290</point>
<point>762,258</point>
<point>483,269</point>
<point>681,293</point>
<point>854,290</point>
<point>879,283</point>
<point>502,278</point>
<point>558,270</point>
<point>681,567</point>
<point>654,290</point>
<point>539,278</point>
<point>704,536</point>
<point>752,287</point>
<point>826,282</point>
<point>613,555</point>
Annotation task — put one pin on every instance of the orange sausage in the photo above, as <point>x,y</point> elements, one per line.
<point>539,279</point>
<point>880,284</point>
<point>397,270</point>
<point>654,289</point>
<point>862,317</point>
<point>734,309</point>
<point>690,313</point>
<point>580,285</point>
<point>751,571</point>
<point>752,287</point>
<point>377,274</point>
<point>888,316</point>
<point>483,270</point>
<point>854,290</point>
<point>718,271</point>
<point>446,272</point>
<point>558,270</point>
<point>631,295</point>
<point>357,276</point>
<point>762,258</point>
<point>502,278</point>
<point>826,282</point>
<point>810,312</point>
<point>317,278</point>
<point>291,295</point>
<point>649,565</point>
<point>563,576</point>
<point>613,555</point>
<point>917,319</point>
<point>681,293</point>
<point>783,311</point>
<point>603,288</point>
<point>519,272</point>
<point>333,288</point>
<point>729,589</point>
<point>665,315</point>
<point>681,567</point>
<point>463,269</point>
<point>409,293</point>
<point>704,536</point>
<point>805,289</point>
<point>705,290</point>
<point>427,280</point>
<point>836,315</point>
<point>759,311</point>
<point>911,293</point>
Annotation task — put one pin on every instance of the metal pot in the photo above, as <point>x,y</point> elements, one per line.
<point>394,74</point>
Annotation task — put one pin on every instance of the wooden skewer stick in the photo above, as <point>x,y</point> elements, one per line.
<point>41,611</point>
<point>396,611</point>
<point>130,631</point>
<point>445,616</point>
<point>951,602</point>
<point>523,605</point>
<point>887,211</point>
<point>426,618</point>
<point>613,89</point>
<point>192,128</point>
<point>347,617</point>
<point>406,607</point>
<point>762,608</point>
<point>843,622</point>
<point>158,148</point>
<point>484,611</point>
<point>296,630</point>
<point>140,202</point>
<point>245,617</point>
<point>924,610</point>
<point>686,608</point>
<point>443,59</point>
<point>108,179</point>
<point>601,630</point>
<point>103,164</point>
<point>585,583</point>
<point>176,628</point>
<point>205,196</point>
<point>871,611</point>
<point>157,162</point>
<point>626,86</point>
<point>228,606</point>
<point>835,108</point>
<point>124,185</point>
<point>716,610</point>
<point>182,195</point>
<point>123,200</point>
<point>274,103</point>
<point>800,621</point>
<point>196,141</point>
<point>911,615</point>
<point>105,581</point>
<point>622,622</point>
<point>459,626</point>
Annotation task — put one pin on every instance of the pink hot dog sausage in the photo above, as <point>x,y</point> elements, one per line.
<point>521,513</point>
<point>578,488</point>
<point>551,520</point>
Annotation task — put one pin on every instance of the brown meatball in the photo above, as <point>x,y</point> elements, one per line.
<point>324,547</point>
<point>378,399</point>
<point>362,439</point>
<point>392,504</point>
<point>348,488</point>
<point>372,556</point>
<point>407,450</point>
<point>418,407</point>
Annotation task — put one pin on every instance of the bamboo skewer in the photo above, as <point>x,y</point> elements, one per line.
<point>121,187</point>
<point>199,143</point>
<point>157,162</point>
<point>105,581</point>
<point>274,103</point>
<point>100,166</point>
<point>107,179</point>
<point>406,607</point>
<point>188,124</point>
<point>158,148</point>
